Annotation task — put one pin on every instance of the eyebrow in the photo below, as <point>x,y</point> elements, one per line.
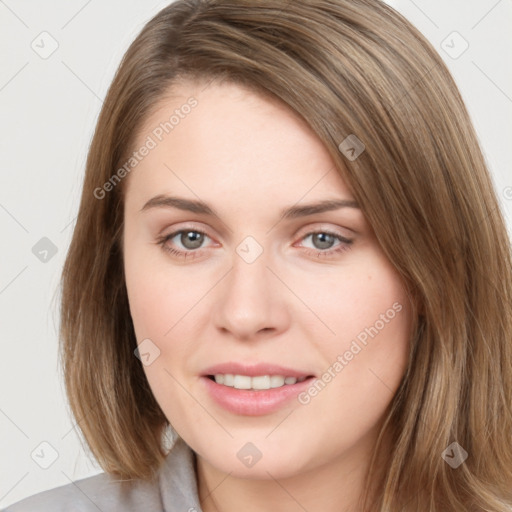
<point>293,212</point>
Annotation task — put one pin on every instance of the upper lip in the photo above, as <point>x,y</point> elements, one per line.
<point>253,370</point>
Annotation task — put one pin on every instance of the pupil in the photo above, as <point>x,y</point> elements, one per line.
<point>192,239</point>
<point>323,237</point>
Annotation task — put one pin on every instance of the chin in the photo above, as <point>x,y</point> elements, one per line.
<point>259,460</point>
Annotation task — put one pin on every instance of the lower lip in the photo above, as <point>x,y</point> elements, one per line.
<point>254,403</point>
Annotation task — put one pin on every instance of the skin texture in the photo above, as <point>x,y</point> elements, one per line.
<point>249,158</point>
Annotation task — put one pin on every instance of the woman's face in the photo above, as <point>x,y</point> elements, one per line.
<point>310,291</point>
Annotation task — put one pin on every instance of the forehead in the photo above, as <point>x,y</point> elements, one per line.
<point>217,140</point>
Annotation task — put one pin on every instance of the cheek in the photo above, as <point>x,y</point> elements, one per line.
<point>159,300</point>
<point>159,294</point>
<point>365,302</point>
<point>150,303</point>
<point>366,359</point>
<point>163,302</point>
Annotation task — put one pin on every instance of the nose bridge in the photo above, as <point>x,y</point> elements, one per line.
<point>250,278</point>
<point>249,299</point>
<point>250,272</point>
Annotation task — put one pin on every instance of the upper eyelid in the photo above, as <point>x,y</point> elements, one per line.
<point>306,230</point>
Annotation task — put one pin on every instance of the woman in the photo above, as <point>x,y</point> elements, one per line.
<point>290,257</point>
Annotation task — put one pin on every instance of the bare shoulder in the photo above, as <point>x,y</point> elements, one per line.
<point>98,492</point>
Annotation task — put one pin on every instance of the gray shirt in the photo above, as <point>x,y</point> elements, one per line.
<point>174,490</point>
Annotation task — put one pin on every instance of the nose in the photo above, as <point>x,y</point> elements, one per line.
<point>251,301</point>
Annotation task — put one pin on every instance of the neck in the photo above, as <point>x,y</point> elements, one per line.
<point>333,487</point>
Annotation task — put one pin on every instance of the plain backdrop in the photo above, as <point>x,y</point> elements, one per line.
<point>49,105</point>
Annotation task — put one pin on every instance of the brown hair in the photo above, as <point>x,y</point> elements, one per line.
<point>347,67</point>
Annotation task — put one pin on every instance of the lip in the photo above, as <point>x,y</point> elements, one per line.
<point>253,370</point>
<point>253,403</point>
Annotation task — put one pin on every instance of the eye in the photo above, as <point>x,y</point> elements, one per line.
<point>192,239</point>
<point>323,242</point>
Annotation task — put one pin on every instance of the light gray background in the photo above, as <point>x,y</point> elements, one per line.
<point>48,110</point>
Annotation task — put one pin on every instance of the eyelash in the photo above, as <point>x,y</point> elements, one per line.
<point>344,246</point>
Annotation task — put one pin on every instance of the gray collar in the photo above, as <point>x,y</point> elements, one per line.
<point>177,480</point>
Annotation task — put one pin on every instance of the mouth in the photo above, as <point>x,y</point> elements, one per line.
<point>254,396</point>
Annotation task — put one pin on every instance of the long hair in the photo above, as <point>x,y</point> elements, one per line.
<point>349,68</point>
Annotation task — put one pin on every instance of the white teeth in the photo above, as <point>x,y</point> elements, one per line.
<point>257,383</point>
<point>276,381</point>
<point>262,382</point>
<point>242,382</point>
